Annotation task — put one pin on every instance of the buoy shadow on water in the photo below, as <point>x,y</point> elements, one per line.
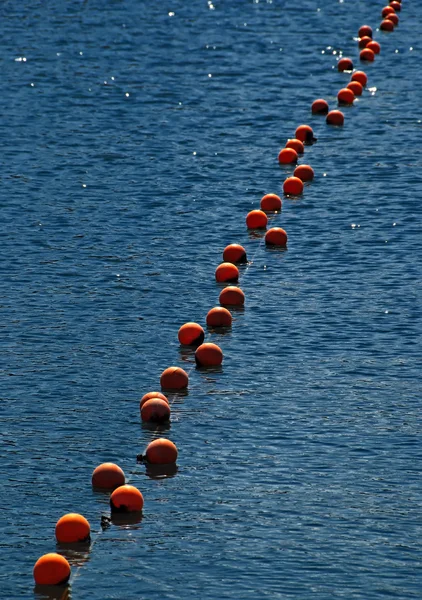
<point>161,471</point>
<point>53,592</point>
<point>156,427</point>
<point>126,520</point>
<point>187,354</point>
<point>210,369</point>
<point>76,554</point>
<point>255,234</point>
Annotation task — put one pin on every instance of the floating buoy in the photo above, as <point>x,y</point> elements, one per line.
<point>387,25</point>
<point>226,272</point>
<point>365,30</point>
<point>72,528</point>
<point>361,77</point>
<point>296,145</point>
<point>356,87</point>
<point>395,5</point>
<point>51,569</point>
<point>320,107</point>
<point>345,64</point>
<point>386,11</point>
<point>335,117</point>
<point>191,334</point>
<point>367,54</point>
<point>161,452</point>
<point>257,219</point>
<point>393,17</point>
<point>126,498</point>
<point>293,186</point>
<point>305,134</point>
<point>304,172</point>
<point>150,395</point>
<point>234,253</point>
<point>345,96</point>
<point>287,156</point>
<point>364,41</point>
<point>155,410</point>
<point>271,203</point>
<point>374,46</point>
<point>232,296</point>
<point>174,378</point>
<point>108,476</point>
<point>276,236</point>
<point>219,317</point>
<point>208,355</point>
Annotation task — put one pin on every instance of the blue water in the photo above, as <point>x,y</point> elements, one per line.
<point>135,137</point>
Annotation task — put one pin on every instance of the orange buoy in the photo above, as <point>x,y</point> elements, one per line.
<point>51,569</point>
<point>345,64</point>
<point>126,498</point>
<point>386,11</point>
<point>107,476</point>
<point>276,236</point>
<point>365,30</point>
<point>174,378</point>
<point>155,410</point>
<point>364,41</point>
<point>345,96</point>
<point>161,452</point>
<point>305,134</point>
<point>374,46</point>
<point>232,296</point>
<point>227,271</point>
<point>367,54</point>
<point>387,25</point>
<point>150,395</point>
<point>208,355</point>
<point>395,5</point>
<point>191,334</point>
<point>296,145</point>
<point>271,202</point>
<point>287,156</point>
<point>356,87</point>
<point>335,117</point>
<point>361,77</point>
<point>393,17</point>
<point>219,317</point>
<point>293,186</point>
<point>72,528</point>
<point>257,219</point>
<point>234,253</point>
<point>320,107</point>
<point>304,172</point>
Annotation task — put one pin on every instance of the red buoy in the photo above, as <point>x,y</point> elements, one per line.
<point>126,498</point>
<point>393,18</point>
<point>387,25</point>
<point>386,11</point>
<point>232,296</point>
<point>364,41</point>
<point>191,334</point>
<point>356,87</point>
<point>296,145</point>
<point>345,64</point>
<point>155,410</point>
<point>305,134</point>
<point>335,117</point>
<point>287,156</point>
<point>234,253</point>
<point>367,54</point>
<point>107,476</point>
<point>374,46</point>
<point>226,272</point>
<point>365,30</point>
<point>150,395</point>
<point>395,5</point>
<point>320,107</point>
<point>208,355</point>
<point>361,77</point>
<point>72,528</point>
<point>161,452</point>
<point>293,186</point>
<point>51,569</point>
<point>345,96</point>
<point>271,203</point>
<point>174,378</point>
<point>304,172</point>
<point>256,219</point>
<point>219,317</point>
<point>276,236</point>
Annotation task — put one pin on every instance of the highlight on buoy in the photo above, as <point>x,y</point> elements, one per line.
<point>320,107</point>
<point>374,46</point>
<point>191,334</point>
<point>271,203</point>
<point>335,117</point>
<point>235,253</point>
<point>293,186</point>
<point>296,145</point>
<point>107,476</point>
<point>232,296</point>
<point>365,30</point>
<point>305,134</point>
<point>174,378</point>
<point>356,87</point>
<point>155,410</point>
<point>367,54</point>
<point>161,452</point>
<point>219,317</point>
<point>72,528</point>
<point>361,77</point>
<point>256,219</point>
<point>287,156</point>
<point>387,25</point>
<point>226,272</point>
<point>51,569</point>
<point>304,172</point>
<point>150,395</point>
<point>276,236</point>
<point>126,498</point>
<point>208,355</point>
<point>345,96</point>
<point>345,64</point>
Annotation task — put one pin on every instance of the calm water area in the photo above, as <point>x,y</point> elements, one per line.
<point>135,137</point>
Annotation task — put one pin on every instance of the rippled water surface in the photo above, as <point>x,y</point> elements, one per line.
<point>135,137</point>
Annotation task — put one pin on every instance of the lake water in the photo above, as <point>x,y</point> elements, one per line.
<point>135,138</point>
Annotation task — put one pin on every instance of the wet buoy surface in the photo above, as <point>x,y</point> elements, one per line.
<point>276,236</point>
<point>387,25</point>
<point>296,144</point>
<point>208,355</point>
<point>174,378</point>
<point>293,186</point>
<point>304,172</point>
<point>72,528</point>
<point>150,395</point>
<point>361,77</point>
<point>271,203</point>
<point>393,17</point>
<point>287,156</point>
<point>365,30</point>
<point>191,334</point>
<point>232,296</point>
<point>226,272</point>
<point>305,134</point>
<point>256,219</point>
<point>356,87</point>
<point>234,253</point>
<point>367,54</point>
<point>345,64</point>
<point>155,410</point>
<point>345,96</point>
<point>107,476</point>
<point>126,498</point>
<point>374,46</point>
<point>320,107</point>
<point>161,452</point>
<point>219,317</point>
<point>51,569</point>
<point>335,117</point>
